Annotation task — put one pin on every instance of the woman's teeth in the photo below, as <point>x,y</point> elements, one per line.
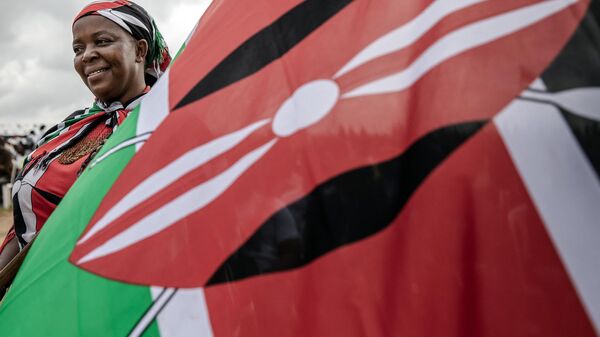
<point>97,72</point>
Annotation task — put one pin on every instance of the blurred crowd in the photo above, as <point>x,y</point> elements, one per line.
<point>14,148</point>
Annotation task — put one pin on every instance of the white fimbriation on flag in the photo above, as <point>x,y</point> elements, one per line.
<point>185,315</point>
<point>581,101</point>
<point>155,107</point>
<point>563,186</point>
<point>25,188</point>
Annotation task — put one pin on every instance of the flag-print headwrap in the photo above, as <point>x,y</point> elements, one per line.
<point>136,21</point>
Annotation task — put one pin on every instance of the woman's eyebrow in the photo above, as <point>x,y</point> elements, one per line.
<point>100,32</point>
<point>94,35</point>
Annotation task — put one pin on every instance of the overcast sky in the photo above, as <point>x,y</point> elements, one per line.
<point>37,80</point>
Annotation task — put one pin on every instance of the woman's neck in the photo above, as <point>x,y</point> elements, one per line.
<point>127,99</point>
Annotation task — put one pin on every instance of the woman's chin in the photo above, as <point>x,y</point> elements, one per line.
<point>102,93</point>
<point>100,87</point>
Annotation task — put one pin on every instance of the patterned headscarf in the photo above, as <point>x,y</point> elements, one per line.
<point>136,21</point>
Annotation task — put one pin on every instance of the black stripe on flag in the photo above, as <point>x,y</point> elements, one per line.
<point>587,133</point>
<point>595,11</point>
<point>54,199</point>
<point>343,210</point>
<point>19,221</point>
<point>578,64</point>
<point>266,46</point>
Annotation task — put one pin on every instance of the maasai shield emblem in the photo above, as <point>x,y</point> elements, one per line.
<point>334,104</point>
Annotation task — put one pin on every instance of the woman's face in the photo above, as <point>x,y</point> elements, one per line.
<point>108,59</point>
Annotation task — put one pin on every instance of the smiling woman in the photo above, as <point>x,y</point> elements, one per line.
<point>108,59</point>
<point>118,53</point>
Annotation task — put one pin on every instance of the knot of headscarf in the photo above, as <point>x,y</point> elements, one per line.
<point>136,21</point>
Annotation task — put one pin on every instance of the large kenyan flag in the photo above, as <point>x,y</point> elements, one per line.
<point>342,168</point>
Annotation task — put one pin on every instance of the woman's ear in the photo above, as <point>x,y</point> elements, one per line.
<point>141,50</point>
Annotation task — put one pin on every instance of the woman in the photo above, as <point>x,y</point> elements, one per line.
<point>119,54</point>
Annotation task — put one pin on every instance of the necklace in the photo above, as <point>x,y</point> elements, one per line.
<point>81,149</point>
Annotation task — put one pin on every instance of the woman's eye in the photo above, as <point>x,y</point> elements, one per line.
<point>77,50</point>
<point>103,42</point>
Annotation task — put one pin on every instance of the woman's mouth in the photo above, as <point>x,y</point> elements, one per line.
<point>96,73</point>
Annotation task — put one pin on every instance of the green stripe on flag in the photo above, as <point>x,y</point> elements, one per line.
<point>52,297</point>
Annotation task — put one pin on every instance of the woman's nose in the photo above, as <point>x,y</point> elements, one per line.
<point>89,54</point>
